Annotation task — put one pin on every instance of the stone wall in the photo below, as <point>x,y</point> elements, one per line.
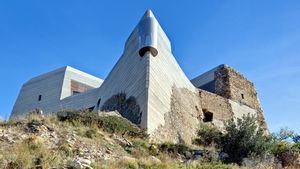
<point>232,85</point>
<point>219,106</point>
<point>181,123</point>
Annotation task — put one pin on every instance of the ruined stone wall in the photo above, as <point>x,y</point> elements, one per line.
<point>182,121</point>
<point>219,106</point>
<point>232,85</point>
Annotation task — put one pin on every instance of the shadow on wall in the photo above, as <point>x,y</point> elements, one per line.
<point>127,107</point>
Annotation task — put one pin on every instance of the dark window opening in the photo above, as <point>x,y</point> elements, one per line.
<point>78,87</point>
<point>242,96</point>
<point>40,97</point>
<point>98,103</point>
<point>208,116</point>
<point>75,92</point>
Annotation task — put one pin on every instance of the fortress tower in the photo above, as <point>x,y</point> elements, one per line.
<point>148,87</point>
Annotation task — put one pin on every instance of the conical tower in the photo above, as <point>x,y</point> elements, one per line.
<point>146,73</point>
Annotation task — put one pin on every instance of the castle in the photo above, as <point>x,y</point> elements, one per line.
<point>148,87</point>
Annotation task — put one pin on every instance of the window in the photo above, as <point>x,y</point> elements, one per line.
<point>242,96</point>
<point>98,103</point>
<point>75,92</point>
<point>40,97</point>
<point>208,116</point>
<point>78,87</point>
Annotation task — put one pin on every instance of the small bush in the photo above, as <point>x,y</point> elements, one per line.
<point>33,125</point>
<point>173,148</point>
<point>91,133</point>
<point>280,147</point>
<point>66,150</point>
<point>285,152</point>
<point>296,147</point>
<point>208,135</point>
<point>243,138</point>
<point>153,150</point>
<point>82,116</point>
<point>110,124</point>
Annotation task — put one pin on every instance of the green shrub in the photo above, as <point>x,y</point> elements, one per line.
<point>208,135</point>
<point>110,124</point>
<point>91,133</point>
<point>296,147</point>
<point>173,148</point>
<point>243,138</point>
<point>280,147</point>
<point>33,124</point>
<point>153,150</point>
<point>66,149</point>
<point>83,116</point>
<point>284,151</point>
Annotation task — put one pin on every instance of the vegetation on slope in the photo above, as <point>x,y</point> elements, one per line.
<point>81,139</point>
<point>243,140</point>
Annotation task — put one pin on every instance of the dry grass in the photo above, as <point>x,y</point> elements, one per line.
<point>35,151</point>
<point>145,163</point>
<point>31,153</point>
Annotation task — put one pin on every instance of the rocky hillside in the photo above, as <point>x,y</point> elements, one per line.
<point>79,139</point>
<point>73,140</point>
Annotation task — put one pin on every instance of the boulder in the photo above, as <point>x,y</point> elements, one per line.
<point>153,159</point>
<point>198,154</point>
<point>122,141</point>
<point>80,163</point>
<point>110,113</point>
<point>7,138</point>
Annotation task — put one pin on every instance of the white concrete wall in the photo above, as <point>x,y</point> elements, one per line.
<point>164,74</point>
<point>79,76</point>
<point>129,76</point>
<point>47,85</point>
<point>52,86</point>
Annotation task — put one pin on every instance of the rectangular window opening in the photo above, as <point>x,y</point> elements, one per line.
<point>75,92</point>
<point>208,116</point>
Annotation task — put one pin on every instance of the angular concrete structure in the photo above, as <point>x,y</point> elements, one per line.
<point>148,87</point>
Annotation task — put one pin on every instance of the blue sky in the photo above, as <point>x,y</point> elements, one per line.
<point>259,38</point>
